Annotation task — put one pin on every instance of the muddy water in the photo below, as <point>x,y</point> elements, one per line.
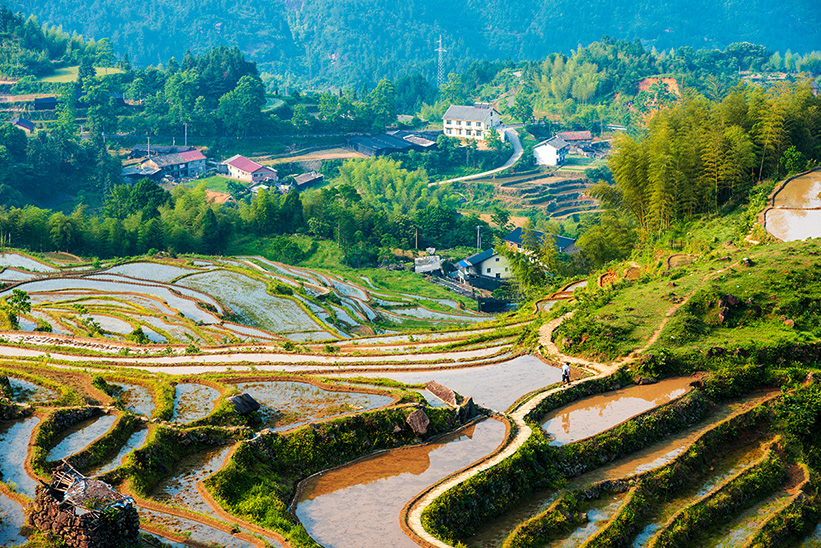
<point>181,489</point>
<point>137,398</point>
<point>494,386</point>
<point>12,518</point>
<point>801,192</point>
<point>358,506</point>
<point>591,416</point>
<point>793,224</point>
<point>195,531</point>
<point>135,441</point>
<point>14,440</point>
<point>25,391</point>
<point>287,404</point>
<point>193,401</point>
<point>81,436</point>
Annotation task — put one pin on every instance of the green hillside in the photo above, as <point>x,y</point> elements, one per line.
<point>346,42</point>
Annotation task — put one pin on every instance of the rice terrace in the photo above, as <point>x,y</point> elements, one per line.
<point>243,402</point>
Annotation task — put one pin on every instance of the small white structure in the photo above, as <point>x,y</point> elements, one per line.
<point>245,169</point>
<point>470,122</point>
<point>551,152</point>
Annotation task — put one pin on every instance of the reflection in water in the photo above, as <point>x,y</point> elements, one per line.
<point>597,515</point>
<point>193,529</point>
<point>12,519</point>
<point>494,386</point>
<point>193,401</point>
<point>596,414</point>
<point>358,506</point>
<point>796,215</point>
<point>14,440</point>
<point>286,404</point>
<point>25,391</point>
<point>181,489</point>
<point>81,436</point>
<point>137,398</point>
<point>136,440</point>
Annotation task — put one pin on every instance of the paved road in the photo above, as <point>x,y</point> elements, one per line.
<point>513,137</point>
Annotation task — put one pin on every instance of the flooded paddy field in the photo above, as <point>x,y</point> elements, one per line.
<point>193,401</point>
<point>134,441</point>
<point>24,391</point>
<point>81,436</point>
<point>181,489</point>
<point>796,212</point>
<point>358,505</point>
<point>14,440</point>
<point>194,530</point>
<point>495,386</point>
<point>593,415</point>
<point>137,398</point>
<point>286,404</point>
<point>12,519</point>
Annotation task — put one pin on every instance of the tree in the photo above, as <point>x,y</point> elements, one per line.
<point>522,108</point>
<point>383,105</point>
<point>493,140</point>
<point>240,108</point>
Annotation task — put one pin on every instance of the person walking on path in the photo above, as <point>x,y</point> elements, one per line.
<point>565,374</point>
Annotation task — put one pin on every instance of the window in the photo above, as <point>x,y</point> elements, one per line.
<point>468,123</point>
<point>498,275</point>
<point>458,122</point>
<point>447,131</point>
<point>497,259</point>
<point>488,270</point>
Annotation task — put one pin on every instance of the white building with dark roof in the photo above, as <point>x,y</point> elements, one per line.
<point>465,122</point>
<point>551,152</point>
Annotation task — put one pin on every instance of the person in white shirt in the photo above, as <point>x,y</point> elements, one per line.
<point>565,373</point>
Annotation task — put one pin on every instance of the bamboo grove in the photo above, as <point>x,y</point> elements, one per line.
<point>700,155</point>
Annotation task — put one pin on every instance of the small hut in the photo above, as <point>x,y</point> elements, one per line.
<point>84,513</point>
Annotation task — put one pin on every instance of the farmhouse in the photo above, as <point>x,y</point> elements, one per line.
<point>307,180</point>
<point>551,152</point>
<point>245,169</point>
<point>486,268</point>
<point>470,122</point>
<point>45,103</point>
<point>576,138</point>
<point>22,123</point>
<point>178,166</point>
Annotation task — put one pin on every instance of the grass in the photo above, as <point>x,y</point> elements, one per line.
<point>217,183</point>
<point>69,74</point>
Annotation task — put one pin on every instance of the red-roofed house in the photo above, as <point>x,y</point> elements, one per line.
<point>245,169</point>
<point>576,138</point>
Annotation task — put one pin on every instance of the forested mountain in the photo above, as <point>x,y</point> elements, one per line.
<point>345,42</point>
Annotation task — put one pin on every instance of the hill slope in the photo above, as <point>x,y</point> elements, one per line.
<point>355,41</point>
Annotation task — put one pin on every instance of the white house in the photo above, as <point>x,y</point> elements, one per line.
<point>245,169</point>
<point>551,152</point>
<point>489,264</point>
<point>470,122</point>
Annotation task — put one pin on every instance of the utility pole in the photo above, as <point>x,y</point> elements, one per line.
<point>416,241</point>
<point>186,134</point>
<point>478,237</point>
<point>440,79</point>
<point>148,150</point>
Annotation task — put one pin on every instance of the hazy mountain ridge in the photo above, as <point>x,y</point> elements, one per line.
<point>349,42</point>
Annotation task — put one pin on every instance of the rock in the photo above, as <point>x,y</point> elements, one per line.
<point>442,392</point>
<point>716,351</point>
<point>397,429</point>
<point>810,379</point>
<point>722,314</point>
<point>467,411</point>
<point>742,352</point>
<point>731,300</point>
<point>647,380</point>
<point>418,422</point>
<point>747,261</point>
<point>789,323</point>
<point>672,284</point>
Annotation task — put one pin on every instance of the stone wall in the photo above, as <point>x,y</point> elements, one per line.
<point>116,528</point>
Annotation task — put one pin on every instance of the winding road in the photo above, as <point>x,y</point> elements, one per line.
<point>511,135</point>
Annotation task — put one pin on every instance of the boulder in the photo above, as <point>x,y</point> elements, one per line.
<point>244,404</point>
<point>467,411</point>
<point>442,392</point>
<point>723,314</point>
<point>418,422</point>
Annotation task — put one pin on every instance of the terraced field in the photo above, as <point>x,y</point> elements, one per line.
<point>616,459</point>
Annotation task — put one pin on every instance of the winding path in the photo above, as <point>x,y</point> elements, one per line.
<point>512,135</point>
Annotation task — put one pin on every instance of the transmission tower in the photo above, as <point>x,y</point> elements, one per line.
<point>440,80</point>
